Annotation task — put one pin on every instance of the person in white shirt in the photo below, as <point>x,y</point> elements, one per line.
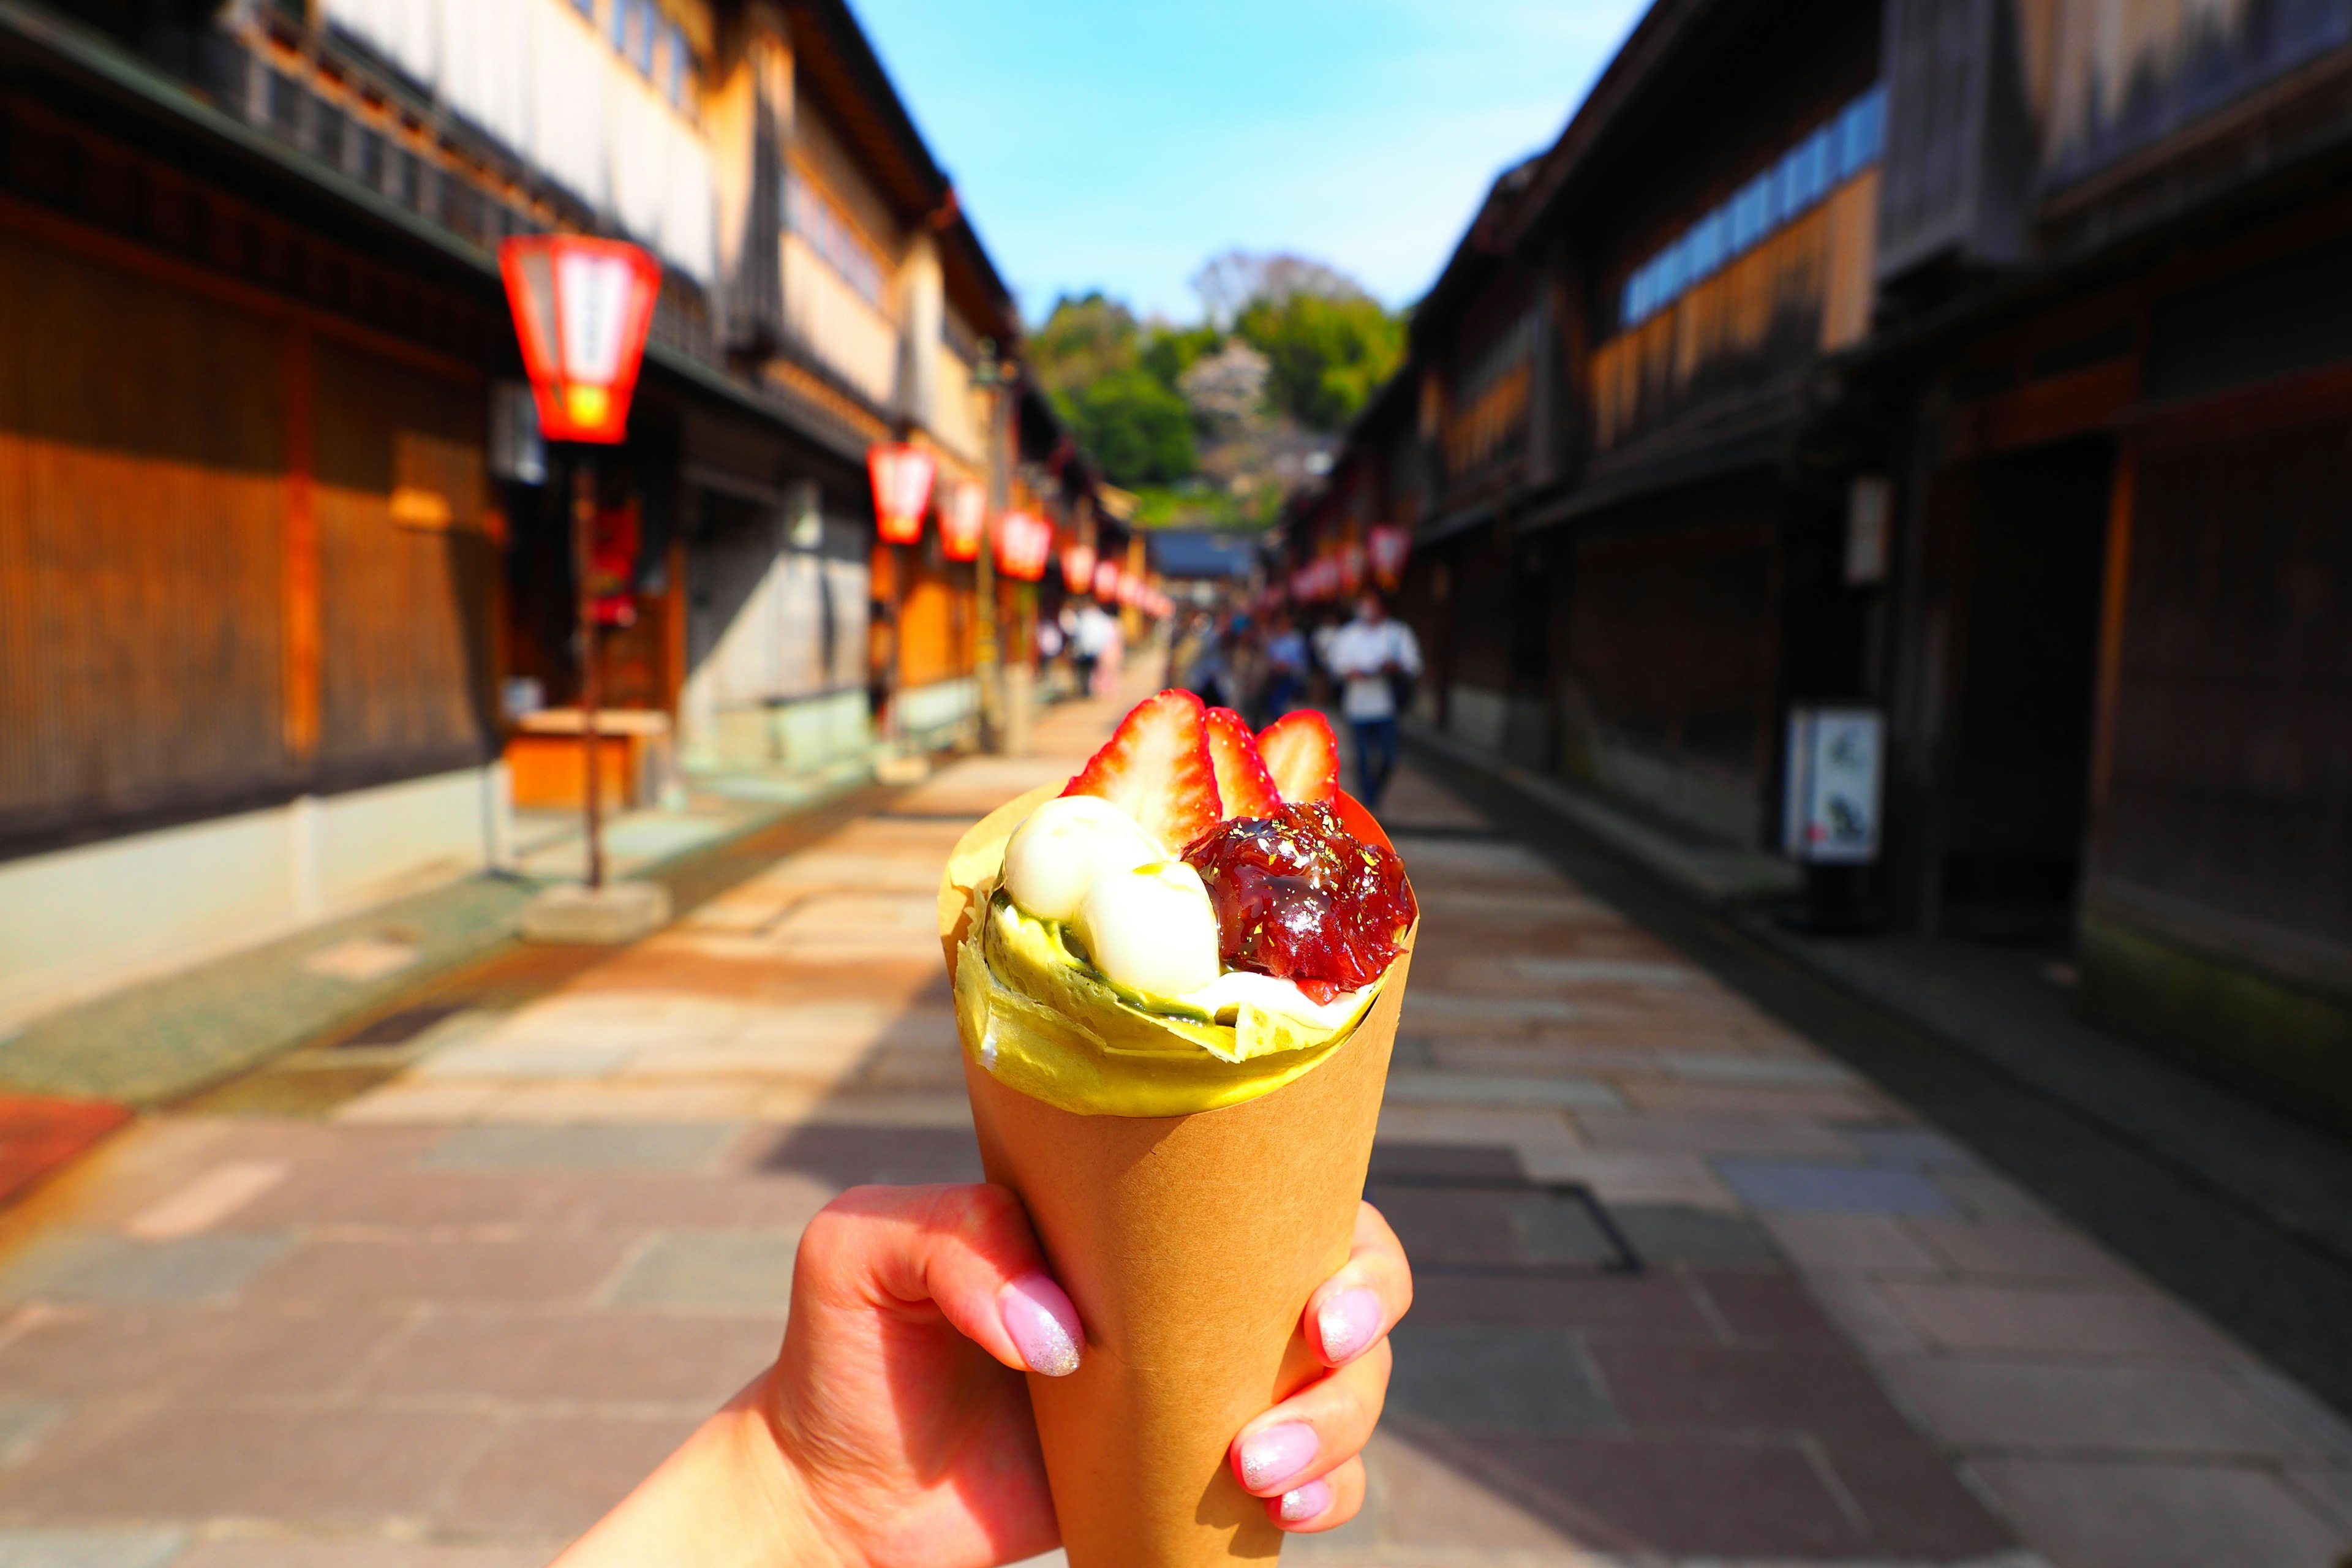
<point>1372,656</point>
<point>1090,642</point>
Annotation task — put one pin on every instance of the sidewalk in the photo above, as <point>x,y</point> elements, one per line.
<point>1690,1292</point>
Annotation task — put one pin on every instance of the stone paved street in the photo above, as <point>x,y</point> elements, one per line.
<point>1689,1290</point>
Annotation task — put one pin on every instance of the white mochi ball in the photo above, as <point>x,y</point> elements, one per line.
<point>1152,929</point>
<point>1063,846</point>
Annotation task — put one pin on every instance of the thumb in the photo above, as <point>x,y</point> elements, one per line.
<point>967,1251</point>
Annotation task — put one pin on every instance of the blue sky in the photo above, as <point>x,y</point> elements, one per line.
<point>1118,145</point>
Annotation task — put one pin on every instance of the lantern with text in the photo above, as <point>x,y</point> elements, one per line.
<point>582,308</point>
<point>1078,568</point>
<point>1023,544</point>
<point>1106,575</point>
<point>1352,566</point>
<point>962,520</point>
<point>1389,546</point>
<point>902,489</point>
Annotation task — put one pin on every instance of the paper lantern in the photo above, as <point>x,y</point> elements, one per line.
<point>582,309</point>
<point>1106,576</point>
<point>1023,543</point>
<point>962,520</point>
<point>902,489</point>
<point>1389,546</point>
<point>1078,568</point>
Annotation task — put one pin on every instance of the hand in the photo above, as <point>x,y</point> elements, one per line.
<point>895,1429</point>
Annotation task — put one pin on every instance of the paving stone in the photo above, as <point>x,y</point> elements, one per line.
<point>1632,1176</point>
<point>1649,1130</point>
<point>1481,1088</point>
<point>1667,1234</point>
<point>1535,1381</point>
<point>529,1267</point>
<point>1855,1104</point>
<point>852,1156</point>
<point>2327,1488</point>
<point>1833,1189</point>
<point>1761,1307</point>
<point>156,1351</point>
<point>1843,1244</point>
<point>2034,1406</point>
<point>317,1552</point>
<point>555,1476</point>
<point>2110,1325</point>
<point>1983,1195</point>
<point>1416,1497</point>
<point>525,1062</point>
<point>22,1422</point>
<point>1914,1148</point>
<point>1682,1496</point>
<point>197,1460</point>
<point>81,1266</point>
<point>1862,1312</point>
<point>88,1548</point>
<point>1440,1009</point>
<point>2009,1250</point>
<point>2095,1515</point>
<point>677,1147</point>
<point>1717,1067</point>
<point>733,1273</point>
<point>607,1357</point>
<point>1532,1136</point>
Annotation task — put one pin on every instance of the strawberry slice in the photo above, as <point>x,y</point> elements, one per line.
<point>1302,754</point>
<point>1243,782</point>
<point>1156,767</point>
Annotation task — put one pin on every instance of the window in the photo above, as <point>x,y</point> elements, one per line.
<point>826,230</point>
<point>1834,153</point>
<point>674,65</point>
<point>620,17</point>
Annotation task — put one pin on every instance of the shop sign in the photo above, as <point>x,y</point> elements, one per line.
<point>1831,812</point>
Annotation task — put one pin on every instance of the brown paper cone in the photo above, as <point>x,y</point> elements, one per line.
<point>1189,1245</point>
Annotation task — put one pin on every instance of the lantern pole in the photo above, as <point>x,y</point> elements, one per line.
<point>584,528</point>
<point>989,373</point>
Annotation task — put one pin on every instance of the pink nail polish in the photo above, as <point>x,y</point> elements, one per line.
<point>1348,1321</point>
<point>1043,1323</point>
<point>1307,1503</point>
<point>1272,1457</point>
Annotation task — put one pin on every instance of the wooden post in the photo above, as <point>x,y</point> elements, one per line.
<point>300,593</point>
<point>584,526</point>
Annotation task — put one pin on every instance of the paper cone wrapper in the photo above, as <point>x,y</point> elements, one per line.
<point>1189,1246</point>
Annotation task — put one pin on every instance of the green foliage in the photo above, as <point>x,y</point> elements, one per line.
<point>1133,426</point>
<point>1170,352</point>
<point>1328,355</point>
<point>1084,339</point>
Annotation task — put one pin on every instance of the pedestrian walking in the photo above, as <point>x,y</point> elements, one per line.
<point>1372,657</point>
<point>1091,639</point>
<point>1286,670</point>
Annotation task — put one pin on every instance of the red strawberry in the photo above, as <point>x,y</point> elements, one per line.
<point>1243,782</point>
<point>1302,754</point>
<point>1156,767</point>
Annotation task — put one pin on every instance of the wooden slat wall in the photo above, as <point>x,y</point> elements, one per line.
<point>1804,290</point>
<point>140,461</point>
<point>405,613</point>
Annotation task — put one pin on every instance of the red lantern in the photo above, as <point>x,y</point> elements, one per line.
<point>582,308</point>
<point>1078,568</point>
<point>1023,544</point>
<point>962,520</point>
<point>1388,545</point>
<point>1352,566</point>
<point>1106,576</point>
<point>902,488</point>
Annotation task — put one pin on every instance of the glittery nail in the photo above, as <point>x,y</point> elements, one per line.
<point>1043,1323</point>
<point>1306,1502</point>
<point>1272,1457</point>
<point>1348,1322</point>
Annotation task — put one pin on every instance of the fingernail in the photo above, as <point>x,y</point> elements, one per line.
<point>1272,1457</point>
<point>1299,1506</point>
<point>1348,1322</point>
<point>1043,1323</point>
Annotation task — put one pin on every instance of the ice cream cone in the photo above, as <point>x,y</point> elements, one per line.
<point>1189,1246</point>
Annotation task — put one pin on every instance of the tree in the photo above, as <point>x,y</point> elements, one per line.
<point>1137,429</point>
<point>1228,284</point>
<point>1327,355</point>
<point>1084,339</point>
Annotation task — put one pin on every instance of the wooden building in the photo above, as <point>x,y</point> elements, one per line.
<point>285,583</point>
<point>1979,360</point>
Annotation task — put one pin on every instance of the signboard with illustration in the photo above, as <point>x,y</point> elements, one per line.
<point>1834,763</point>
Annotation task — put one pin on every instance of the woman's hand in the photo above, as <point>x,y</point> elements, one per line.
<point>1303,1456</point>
<point>894,1431</point>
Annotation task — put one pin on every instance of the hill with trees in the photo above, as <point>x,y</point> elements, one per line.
<point>1213,423</point>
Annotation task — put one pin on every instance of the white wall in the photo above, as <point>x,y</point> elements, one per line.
<point>78,920</point>
<point>542,79</point>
